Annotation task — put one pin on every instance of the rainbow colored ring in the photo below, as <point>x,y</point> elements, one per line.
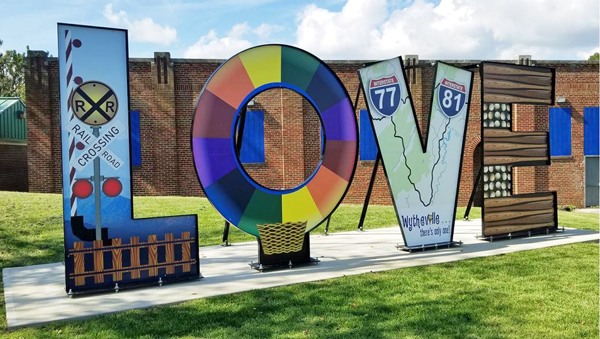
<point>239,199</point>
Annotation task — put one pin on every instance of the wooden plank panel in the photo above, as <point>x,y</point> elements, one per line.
<point>511,99</point>
<point>533,161</point>
<point>521,93</point>
<point>523,152</point>
<point>135,257</point>
<point>528,206</point>
<point>519,213</point>
<point>98,262</point>
<point>526,220</point>
<point>152,255</point>
<point>518,199</point>
<point>515,70</point>
<point>506,83</point>
<point>504,147</point>
<point>511,229</point>
<point>500,133</point>
<point>79,263</point>
<point>497,146</point>
<point>117,259</point>
<point>170,253</point>
<point>185,251</point>
<point>509,215</point>
<point>532,80</point>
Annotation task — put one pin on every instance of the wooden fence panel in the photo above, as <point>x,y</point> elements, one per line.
<point>117,259</point>
<point>135,257</point>
<point>98,262</point>
<point>115,249</point>
<point>152,256</point>
<point>170,253</point>
<point>185,251</point>
<point>79,263</point>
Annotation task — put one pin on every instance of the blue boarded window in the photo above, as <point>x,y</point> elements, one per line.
<point>560,131</point>
<point>253,139</point>
<point>591,125</point>
<point>136,145</point>
<point>368,146</point>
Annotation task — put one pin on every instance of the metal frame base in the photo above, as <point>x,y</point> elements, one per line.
<point>521,234</point>
<point>447,244</point>
<point>132,285</point>
<point>261,268</point>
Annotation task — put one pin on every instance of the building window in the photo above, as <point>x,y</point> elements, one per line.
<point>253,139</point>
<point>590,131</point>
<point>368,146</point>
<point>560,131</point>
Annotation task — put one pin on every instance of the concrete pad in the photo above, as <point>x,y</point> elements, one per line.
<point>587,210</point>
<point>35,295</point>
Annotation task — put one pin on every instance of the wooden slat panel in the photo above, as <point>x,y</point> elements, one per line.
<point>117,259</point>
<point>504,133</point>
<point>135,257</point>
<point>511,229</point>
<point>98,262</point>
<point>530,80</point>
<point>493,160</point>
<point>515,70</point>
<point>526,140</point>
<point>528,206</point>
<point>504,147</point>
<point>79,263</point>
<point>508,215</point>
<point>170,253</point>
<point>152,255</point>
<point>523,152</point>
<point>521,93</point>
<point>519,213</point>
<point>511,99</point>
<point>525,220</point>
<point>518,199</point>
<point>505,83</point>
<point>497,146</point>
<point>185,251</point>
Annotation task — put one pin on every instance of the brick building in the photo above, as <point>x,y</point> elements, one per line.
<point>13,145</point>
<point>164,90</point>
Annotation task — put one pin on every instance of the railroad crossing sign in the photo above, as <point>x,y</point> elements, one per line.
<point>94,103</point>
<point>92,147</point>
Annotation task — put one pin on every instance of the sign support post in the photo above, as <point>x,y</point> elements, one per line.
<point>473,193</point>
<point>97,190</point>
<point>363,214</point>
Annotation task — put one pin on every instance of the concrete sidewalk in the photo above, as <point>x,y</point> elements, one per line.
<point>35,295</point>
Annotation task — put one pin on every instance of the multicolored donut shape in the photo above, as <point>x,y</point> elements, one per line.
<point>239,199</point>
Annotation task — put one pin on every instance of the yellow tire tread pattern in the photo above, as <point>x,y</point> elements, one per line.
<point>282,237</point>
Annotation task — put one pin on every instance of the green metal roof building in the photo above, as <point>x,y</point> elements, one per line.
<point>13,122</point>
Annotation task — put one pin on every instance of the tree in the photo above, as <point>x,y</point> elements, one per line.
<point>596,57</point>
<point>12,77</point>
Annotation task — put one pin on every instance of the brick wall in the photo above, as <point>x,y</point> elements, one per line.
<point>578,83</point>
<point>13,166</point>
<point>164,90</point>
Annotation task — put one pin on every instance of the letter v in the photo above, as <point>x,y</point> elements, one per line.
<point>423,177</point>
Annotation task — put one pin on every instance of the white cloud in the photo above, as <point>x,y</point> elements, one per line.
<point>588,53</point>
<point>211,46</point>
<point>461,29</point>
<point>264,31</point>
<point>145,30</point>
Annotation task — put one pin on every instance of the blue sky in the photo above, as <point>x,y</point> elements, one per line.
<point>333,29</point>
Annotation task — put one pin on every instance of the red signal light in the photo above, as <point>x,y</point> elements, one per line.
<point>82,189</point>
<point>112,187</point>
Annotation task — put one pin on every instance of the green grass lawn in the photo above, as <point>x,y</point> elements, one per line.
<point>543,293</point>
